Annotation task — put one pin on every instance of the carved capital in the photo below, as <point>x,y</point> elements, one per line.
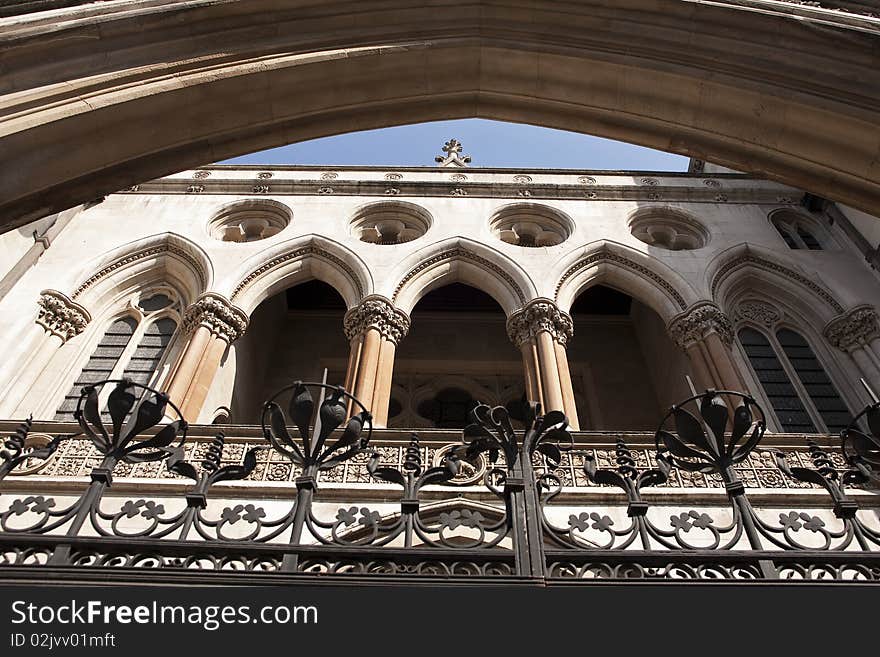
<point>218,315</point>
<point>697,322</point>
<point>376,312</point>
<point>759,312</point>
<point>853,329</point>
<point>538,316</point>
<point>60,316</point>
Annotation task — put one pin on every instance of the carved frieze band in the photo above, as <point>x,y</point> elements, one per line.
<point>60,316</point>
<point>295,255</point>
<point>753,260</point>
<point>607,256</point>
<point>461,254</point>
<point>140,255</point>
<point>537,316</point>
<point>218,315</point>
<point>378,313</point>
<point>855,329</point>
<point>697,322</point>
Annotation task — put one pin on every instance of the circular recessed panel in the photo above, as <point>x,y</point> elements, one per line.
<point>668,229</point>
<point>390,223</point>
<point>250,220</point>
<point>531,225</point>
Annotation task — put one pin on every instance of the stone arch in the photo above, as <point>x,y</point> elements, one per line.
<point>164,258</point>
<point>295,261</point>
<point>460,260</point>
<point>630,71</point>
<point>747,267</point>
<point>641,276</point>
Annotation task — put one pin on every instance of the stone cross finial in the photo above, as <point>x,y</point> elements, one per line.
<point>452,148</point>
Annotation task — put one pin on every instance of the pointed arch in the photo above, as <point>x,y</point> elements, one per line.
<point>295,261</point>
<point>640,275</point>
<point>460,260</point>
<point>162,258</point>
<point>746,267</point>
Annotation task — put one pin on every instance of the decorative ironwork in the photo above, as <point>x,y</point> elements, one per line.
<point>533,526</point>
<point>16,451</point>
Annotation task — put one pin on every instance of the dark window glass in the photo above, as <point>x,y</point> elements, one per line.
<point>780,392</point>
<point>100,365</point>
<point>145,360</point>
<point>815,380</point>
<point>783,232</point>
<point>807,237</point>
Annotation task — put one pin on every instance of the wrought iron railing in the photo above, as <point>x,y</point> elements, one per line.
<point>527,524</point>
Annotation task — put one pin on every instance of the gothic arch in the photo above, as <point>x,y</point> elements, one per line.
<point>295,261</point>
<point>631,71</point>
<point>166,258</point>
<point>745,267</point>
<point>640,275</point>
<point>460,260</point>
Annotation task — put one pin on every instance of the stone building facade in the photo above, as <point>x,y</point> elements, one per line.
<point>604,295</point>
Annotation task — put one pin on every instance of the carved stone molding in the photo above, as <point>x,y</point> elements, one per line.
<point>698,321</point>
<point>538,316</point>
<point>854,329</point>
<point>376,312</point>
<point>60,316</point>
<point>759,312</point>
<point>604,256</point>
<point>460,254</point>
<point>295,255</point>
<point>749,259</point>
<point>218,315</point>
<point>148,252</point>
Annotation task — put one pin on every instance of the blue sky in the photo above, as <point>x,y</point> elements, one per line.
<point>489,143</point>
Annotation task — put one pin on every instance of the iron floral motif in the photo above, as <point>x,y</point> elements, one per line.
<point>366,529</point>
<point>310,450</point>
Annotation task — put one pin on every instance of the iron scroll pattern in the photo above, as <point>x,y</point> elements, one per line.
<point>709,440</point>
<point>522,533</point>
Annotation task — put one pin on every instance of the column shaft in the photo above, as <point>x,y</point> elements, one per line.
<point>549,373</point>
<point>567,389</point>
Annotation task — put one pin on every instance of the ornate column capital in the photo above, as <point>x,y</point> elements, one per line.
<point>853,329</point>
<point>695,323</point>
<point>216,313</point>
<point>60,316</point>
<point>537,316</point>
<point>376,312</point>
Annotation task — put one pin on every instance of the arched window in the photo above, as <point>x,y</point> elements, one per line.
<point>100,365</point>
<point>815,381</point>
<point>117,357</point>
<point>796,230</point>
<point>799,390</point>
<point>149,352</point>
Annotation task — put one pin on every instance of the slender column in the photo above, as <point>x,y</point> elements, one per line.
<point>374,329</point>
<point>212,324</point>
<point>857,333</point>
<point>706,335</point>
<point>704,378</point>
<point>541,331</point>
<point>565,382</point>
<point>62,319</point>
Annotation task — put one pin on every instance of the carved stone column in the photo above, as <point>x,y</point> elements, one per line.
<point>857,333</point>
<point>706,335</point>
<point>541,332</point>
<point>211,323</point>
<point>374,329</point>
<point>61,319</point>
